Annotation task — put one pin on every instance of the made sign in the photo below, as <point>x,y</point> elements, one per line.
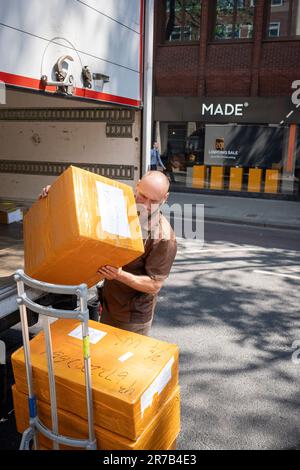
<point>227,109</point>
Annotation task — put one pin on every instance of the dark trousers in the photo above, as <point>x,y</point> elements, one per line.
<point>140,328</point>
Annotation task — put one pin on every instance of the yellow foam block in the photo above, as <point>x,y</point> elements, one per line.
<point>236,179</point>
<point>132,375</point>
<point>199,175</point>
<point>254,180</point>
<point>161,432</point>
<point>85,222</point>
<point>217,177</point>
<point>272,181</point>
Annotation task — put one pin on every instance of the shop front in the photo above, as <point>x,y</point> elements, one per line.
<point>230,145</point>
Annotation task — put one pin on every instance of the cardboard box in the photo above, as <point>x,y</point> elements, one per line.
<point>86,221</point>
<point>132,375</point>
<point>160,434</point>
<point>9,213</point>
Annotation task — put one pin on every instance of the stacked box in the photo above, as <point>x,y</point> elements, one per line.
<point>86,221</point>
<point>134,379</point>
<point>160,434</point>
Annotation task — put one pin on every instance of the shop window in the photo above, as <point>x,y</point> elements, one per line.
<point>297,164</point>
<point>234,19</point>
<point>245,146</point>
<point>244,158</point>
<point>283,18</point>
<point>177,137</point>
<point>183,20</point>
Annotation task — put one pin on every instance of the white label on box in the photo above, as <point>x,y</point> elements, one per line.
<point>125,356</point>
<point>95,335</point>
<point>113,210</point>
<point>157,386</point>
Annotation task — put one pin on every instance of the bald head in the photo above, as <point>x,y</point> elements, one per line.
<point>152,189</point>
<point>156,182</point>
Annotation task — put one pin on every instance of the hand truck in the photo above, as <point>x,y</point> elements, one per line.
<point>30,435</point>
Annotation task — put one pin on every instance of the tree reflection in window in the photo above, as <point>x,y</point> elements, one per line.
<point>183,20</point>
<point>234,19</point>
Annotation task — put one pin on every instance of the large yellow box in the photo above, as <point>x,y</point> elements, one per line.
<point>132,375</point>
<point>160,434</point>
<point>86,221</point>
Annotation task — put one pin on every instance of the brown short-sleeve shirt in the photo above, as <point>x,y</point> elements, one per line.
<point>124,304</point>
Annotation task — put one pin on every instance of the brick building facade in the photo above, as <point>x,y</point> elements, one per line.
<point>209,54</point>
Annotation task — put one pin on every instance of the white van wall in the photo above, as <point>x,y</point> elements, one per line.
<point>82,142</point>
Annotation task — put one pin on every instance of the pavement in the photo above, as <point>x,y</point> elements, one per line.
<point>270,213</point>
<point>232,306</point>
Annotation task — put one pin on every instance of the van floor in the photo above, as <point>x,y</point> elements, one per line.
<point>11,259</point>
<point>11,249</point>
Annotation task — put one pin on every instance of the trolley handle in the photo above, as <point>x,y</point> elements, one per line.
<point>80,290</point>
<point>52,312</point>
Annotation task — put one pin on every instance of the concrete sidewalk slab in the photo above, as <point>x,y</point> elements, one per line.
<point>271,213</point>
<point>250,211</point>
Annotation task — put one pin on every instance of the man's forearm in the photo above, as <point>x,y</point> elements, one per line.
<point>140,283</point>
<point>160,162</point>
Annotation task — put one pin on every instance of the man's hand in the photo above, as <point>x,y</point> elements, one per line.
<point>44,192</point>
<point>110,273</point>
<point>143,284</point>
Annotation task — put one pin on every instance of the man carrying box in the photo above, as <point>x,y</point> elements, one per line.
<point>130,293</point>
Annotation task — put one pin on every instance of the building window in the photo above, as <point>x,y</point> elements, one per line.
<point>183,20</point>
<point>274,30</point>
<point>234,19</point>
<point>283,18</point>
